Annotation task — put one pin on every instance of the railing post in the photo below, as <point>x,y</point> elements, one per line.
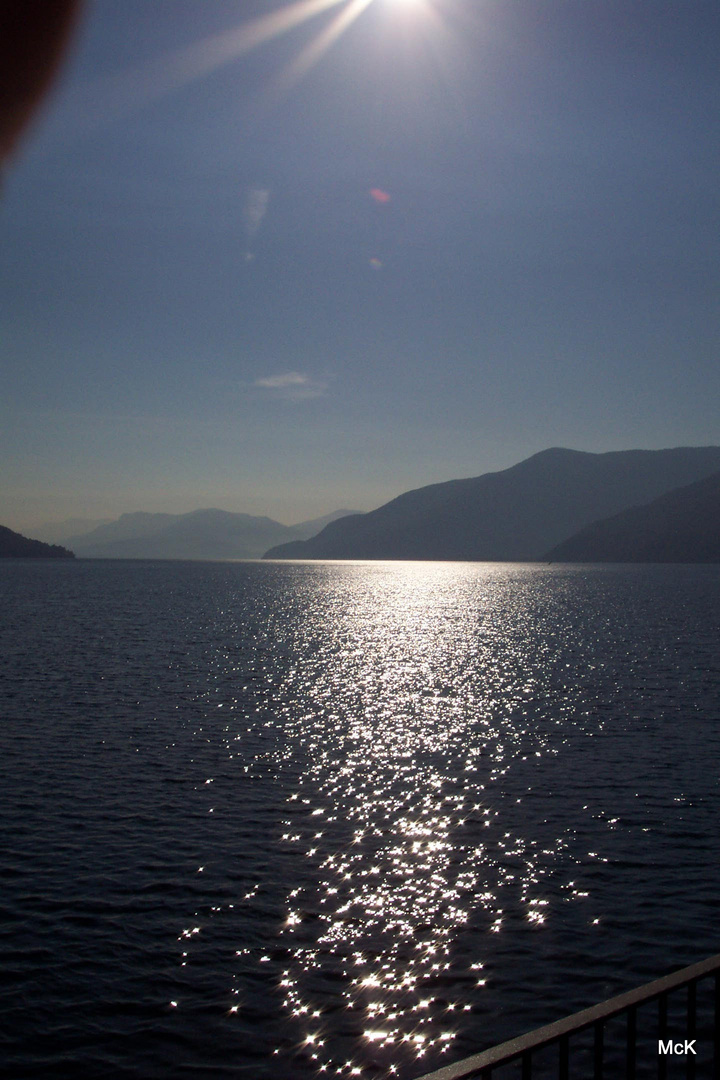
<point>631,1041</point>
<point>564,1069</point>
<point>599,1033</point>
<point>691,1025</point>
<point>527,1065</point>
<point>716,1039</point>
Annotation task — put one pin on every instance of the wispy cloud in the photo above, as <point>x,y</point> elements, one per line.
<point>292,386</point>
<point>254,209</point>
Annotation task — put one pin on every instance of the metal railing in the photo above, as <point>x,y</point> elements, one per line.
<point>521,1050</point>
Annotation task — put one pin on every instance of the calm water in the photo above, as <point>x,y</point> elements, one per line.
<point>297,820</point>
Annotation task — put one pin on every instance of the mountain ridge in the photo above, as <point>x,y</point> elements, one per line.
<point>518,513</point>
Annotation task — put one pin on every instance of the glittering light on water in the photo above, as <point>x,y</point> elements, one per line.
<point>408,705</point>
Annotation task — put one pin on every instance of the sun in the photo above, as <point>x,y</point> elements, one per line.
<point>409,5</point>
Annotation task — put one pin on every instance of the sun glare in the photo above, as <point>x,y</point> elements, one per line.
<point>119,94</point>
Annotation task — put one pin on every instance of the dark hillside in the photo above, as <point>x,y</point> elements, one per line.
<point>15,546</point>
<point>681,526</point>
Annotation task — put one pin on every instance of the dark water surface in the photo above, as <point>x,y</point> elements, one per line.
<point>300,820</point>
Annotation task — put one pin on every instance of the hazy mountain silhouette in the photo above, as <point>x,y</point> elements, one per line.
<point>519,513</point>
<point>14,545</point>
<point>681,526</point>
<point>59,532</point>
<point>126,527</point>
<point>201,534</point>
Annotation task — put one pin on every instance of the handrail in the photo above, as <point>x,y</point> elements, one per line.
<point>560,1030</point>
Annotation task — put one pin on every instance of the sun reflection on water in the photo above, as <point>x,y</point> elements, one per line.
<point>403,740</point>
<point>409,693</point>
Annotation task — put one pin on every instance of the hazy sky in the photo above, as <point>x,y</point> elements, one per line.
<point>239,271</point>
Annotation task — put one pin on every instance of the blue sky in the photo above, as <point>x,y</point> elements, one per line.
<point>472,230</point>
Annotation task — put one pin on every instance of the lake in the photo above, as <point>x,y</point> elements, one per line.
<point>291,820</point>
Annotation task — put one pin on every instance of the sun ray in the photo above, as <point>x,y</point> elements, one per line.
<point>116,95</point>
<point>312,53</point>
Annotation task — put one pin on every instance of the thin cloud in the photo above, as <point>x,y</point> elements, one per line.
<point>292,386</point>
<point>254,209</point>
<point>280,382</point>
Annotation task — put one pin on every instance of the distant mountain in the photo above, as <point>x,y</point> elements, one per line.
<point>306,529</point>
<point>201,534</point>
<point>681,526</point>
<point>15,546</point>
<point>517,514</point>
<point>126,527</point>
<point>59,532</point>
